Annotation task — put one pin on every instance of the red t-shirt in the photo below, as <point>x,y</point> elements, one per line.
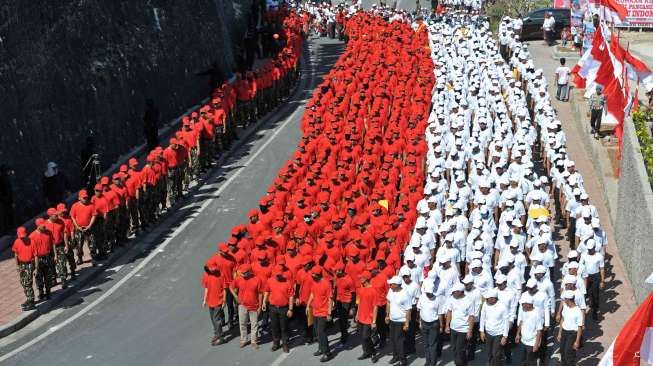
<point>42,242</point>
<point>248,291</point>
<point>24,250</point>
<point>280,292</point>
<point>321,295</point>
<point>57,230</point>
<point>225,266</point>
<point>215,286</point>
<point>344,288</point>
<point>82,213</point>
<point>366,302</point>
<point>380,285</point>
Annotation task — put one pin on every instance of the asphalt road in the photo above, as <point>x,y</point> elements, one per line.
<point>148,311</point>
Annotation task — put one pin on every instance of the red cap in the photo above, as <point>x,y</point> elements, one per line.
<point>253,212</point>
<point>261,256</point>
<point>124,168</point>
<point>366,275</point>
<point>40,222</point>
<point>21,232</point>
<point>372,266</point>
<point>278,224</point>
<point>62,208</point>
<point>316,270</point>
<point>83,194</point>
<point>133,162</point>
<point>52,211</point>
<point>223,247</point>
<point>245,268</point>
<point>104,180</point>
<point>98,187</point>
<point>232,241</point>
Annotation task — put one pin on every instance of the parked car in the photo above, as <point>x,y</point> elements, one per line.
<point>532,23</point>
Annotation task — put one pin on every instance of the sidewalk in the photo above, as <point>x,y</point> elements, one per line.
<point>12,296</point>
<point>618,301</point>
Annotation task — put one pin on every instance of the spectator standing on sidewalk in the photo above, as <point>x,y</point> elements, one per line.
<point>54,185</point>
<point>562,81</point>
<point>596,105</point>
<point>547,27</point>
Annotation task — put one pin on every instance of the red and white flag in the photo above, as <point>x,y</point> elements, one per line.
<point>637,70</point>
<point>634,343</point>
<point>589,64</point>
<point>610,11</point>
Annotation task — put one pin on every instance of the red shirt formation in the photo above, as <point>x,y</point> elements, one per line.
<point>346,200</point>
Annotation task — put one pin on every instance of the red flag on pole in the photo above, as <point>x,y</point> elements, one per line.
<point>635,340</point>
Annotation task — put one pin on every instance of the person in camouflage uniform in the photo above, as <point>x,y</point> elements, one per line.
<point>122,215</point>
<point>56,227</point>
<point>83,214</point>
<point>69,229</point>
<point>43,241</point>
<point>25,254</point>
<point>102,207</point>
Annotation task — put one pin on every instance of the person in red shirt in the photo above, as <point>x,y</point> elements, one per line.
<point>102,208</point>
<point>69,229</point>
<point>280,293</point>
<point>83,214</point>
<point>320,305</point>
<point>367,315</point>
<point>215,291</point>
<point>56,227</point>
<point>345,289</point>
<point>26,262</point>
<point>226,264</point>
<point>248,290</point>
<point>379,282</point>
<point>42,240</point>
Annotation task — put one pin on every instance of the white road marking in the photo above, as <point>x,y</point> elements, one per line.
<point>281,358</point>
<point>153,254</point>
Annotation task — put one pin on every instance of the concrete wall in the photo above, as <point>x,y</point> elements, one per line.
<point>634,223</point>
<point>70,68</point>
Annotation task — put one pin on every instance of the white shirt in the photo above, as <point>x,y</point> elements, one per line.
<point>412,290</point>
<point>592,263</point>
<point>461,309</point>
<point>531,322</point>
<point>572,318</point>
<point>563,74</point>
<point>429,309</point>
<point>399,304</point>
<point>495,319</point>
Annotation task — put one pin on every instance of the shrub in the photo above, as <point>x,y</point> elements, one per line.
<point>641,119</point>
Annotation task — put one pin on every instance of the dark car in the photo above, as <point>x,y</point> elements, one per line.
<point>532,27</point>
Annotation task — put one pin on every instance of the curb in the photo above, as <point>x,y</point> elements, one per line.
<point>170,214</point>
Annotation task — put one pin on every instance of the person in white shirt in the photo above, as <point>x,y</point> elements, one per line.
<point>431,312</point>
<point>412,290</point>
<point>529,331</point>
<point>460,322</point>
<point>474,294</point>
<point>398,311</point>
<point>494,327</point>
<point>571,329</point>
<point>548,27</point>
<point>562,81</point>
<point>593,262</point>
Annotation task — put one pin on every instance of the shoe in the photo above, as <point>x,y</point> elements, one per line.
<point>64,285</point>
<point>364,356</point>
<point>286,349</point>
<point>254,345</point>
<point>376,357</point>
<point>275,347</point>
<point>243,344</point>
<point>29,305</point>
<point>394,359</point>
<point>317,353</point>
<point>220,341</point>
<point>403,362</point>
<point>326,357</point>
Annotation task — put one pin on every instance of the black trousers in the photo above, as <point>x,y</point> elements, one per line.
<point>527,356</point>
<point>567,351</point>
<point>593,282</point>
<point>366,338</point>
<point>409,340</point>
<point>381,326</point>
<point>595,119</point>
<point>541,352</point>
<point>494,350</point>
<point>300,317</point>
<point>342,312</point>
<point>322,339</point>
<point>431,338</point>
<point>397,336</point>
<point>232,308</point>
<point>459,345</point>
<point>217,319</point>
<point>510,344</point>
<point>471,344</point>
<point>279,324</point>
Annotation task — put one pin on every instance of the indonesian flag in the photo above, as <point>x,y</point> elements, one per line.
<point>588,66</point>
<point>634,343</point>
<point>610,11</point>
<point>637,70</point>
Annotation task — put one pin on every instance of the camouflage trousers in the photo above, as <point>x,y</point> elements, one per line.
<point>174,184</point>
<point>60,262</point>
<point>100,244</point>
<point>70,257</point>
<point>44,275</point>
<point>26,274</point>
<point>122,224</point>
<point>109,230</point>
<point>84,237</point>
<point>132,209</point>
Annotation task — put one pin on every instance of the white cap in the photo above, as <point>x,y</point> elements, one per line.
<point>526,298</point>
<point>531,283</point>
<point>539,269</point>
<point>404,271</point>
<point>491,293</point>
<point>590,244</point>
<point>476,263</point>
<point>468,279</point>
<point>421,223</point>
<point>569,279</point>
<point>572,265</point>
<point>444,258</point>
<point>572,254</point>
<point>500,278</point>
<point>409,257</point>
<point>567,295</point>
<point>457,287</point>
<point>396,280</point>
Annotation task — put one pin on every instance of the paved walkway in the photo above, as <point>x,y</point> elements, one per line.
<point>618,301</point>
